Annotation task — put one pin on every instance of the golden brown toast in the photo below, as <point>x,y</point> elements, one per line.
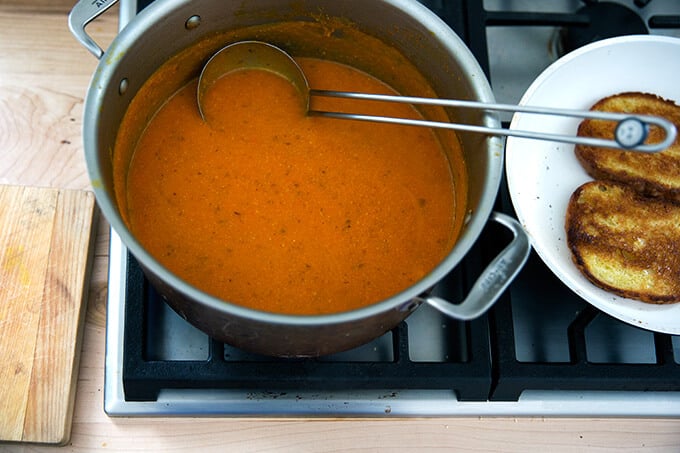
<point>625,242</point>
<point>657,174</point>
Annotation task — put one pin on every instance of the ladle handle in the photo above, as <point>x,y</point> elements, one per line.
<point>630,132</point>
<point>494,280</point>
<point>84,12</point>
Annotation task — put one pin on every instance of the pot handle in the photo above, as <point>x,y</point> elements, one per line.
<point>496,277</point>
<point>84,12</point>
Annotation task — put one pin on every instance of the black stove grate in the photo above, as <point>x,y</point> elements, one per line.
<point>486,366</point>
<point>538,336</point>
<point>512,377</point>
<point>467,372</point>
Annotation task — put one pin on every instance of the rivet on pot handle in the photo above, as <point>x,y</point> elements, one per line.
<point>495,278</point>
<point>84,12</point>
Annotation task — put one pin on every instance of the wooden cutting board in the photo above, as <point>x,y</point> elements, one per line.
<point>46,239</point>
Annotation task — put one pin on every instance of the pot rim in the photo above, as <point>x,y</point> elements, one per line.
<point>405,300</point>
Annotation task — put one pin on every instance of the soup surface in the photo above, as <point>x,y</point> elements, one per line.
<point>271,209</point>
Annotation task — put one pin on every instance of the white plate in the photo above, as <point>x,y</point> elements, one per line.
<point>542,175</point>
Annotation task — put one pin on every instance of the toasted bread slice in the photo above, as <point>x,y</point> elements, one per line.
<point>624,242</point>
<point>657,174</point>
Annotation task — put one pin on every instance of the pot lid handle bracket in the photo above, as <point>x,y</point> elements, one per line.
<point>84,12</point>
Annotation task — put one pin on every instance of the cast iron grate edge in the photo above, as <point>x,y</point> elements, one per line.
<point>512,377</point>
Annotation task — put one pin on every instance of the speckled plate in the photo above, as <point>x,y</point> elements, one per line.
<point>542,175</point>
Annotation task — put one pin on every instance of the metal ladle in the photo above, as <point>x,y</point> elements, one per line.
<point>630,132</point>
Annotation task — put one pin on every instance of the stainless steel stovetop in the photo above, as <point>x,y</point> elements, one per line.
<point>570,359</point>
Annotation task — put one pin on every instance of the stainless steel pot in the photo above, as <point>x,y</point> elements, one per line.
<point>167,27</point>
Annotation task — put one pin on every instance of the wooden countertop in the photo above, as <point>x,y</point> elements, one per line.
<point>44,74</point>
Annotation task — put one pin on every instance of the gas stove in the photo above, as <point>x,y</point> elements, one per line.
<point>541,351</point>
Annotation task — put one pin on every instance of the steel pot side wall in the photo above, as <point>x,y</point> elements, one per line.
<point>263,335</point>
<point>145,44</point>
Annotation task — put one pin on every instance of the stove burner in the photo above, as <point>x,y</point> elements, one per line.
<point>605,20</point>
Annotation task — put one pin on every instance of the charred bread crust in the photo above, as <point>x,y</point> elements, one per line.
<point>624,242</point>
<point>655,175</point>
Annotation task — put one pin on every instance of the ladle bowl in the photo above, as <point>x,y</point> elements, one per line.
<point>630,133</point>
<point>245,55</point>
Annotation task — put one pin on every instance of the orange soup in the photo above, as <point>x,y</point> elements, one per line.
<point>268,208</point>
